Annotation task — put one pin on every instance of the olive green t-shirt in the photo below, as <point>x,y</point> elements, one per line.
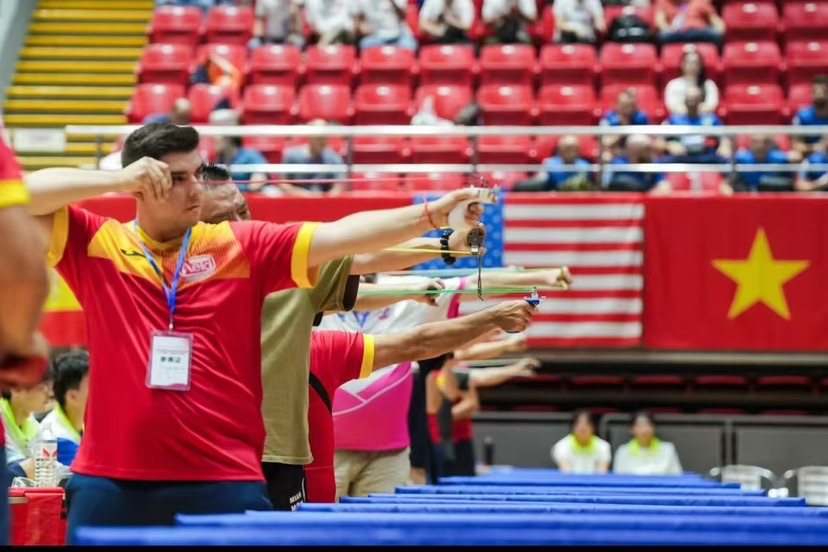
<point>287,323</point>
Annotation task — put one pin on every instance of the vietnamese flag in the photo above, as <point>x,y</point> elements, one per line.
<point>743,273</point>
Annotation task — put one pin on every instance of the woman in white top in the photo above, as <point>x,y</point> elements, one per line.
<point>582,451</point>
<point>646,454</point>
<point>693,74</point>
<point>578,20</point>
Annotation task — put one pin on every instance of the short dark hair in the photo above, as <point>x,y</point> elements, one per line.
<point>157,140</point>
<point>820,79</point>
<point>68,370</point>
<point>235,141</point>
<point>644,414</point>
<point>583,412</point>
<point>215,173</point>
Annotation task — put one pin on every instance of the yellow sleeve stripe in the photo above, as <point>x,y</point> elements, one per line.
<point>13,193</point>
<point>60,235</point>
<point>304,276</point>
<point>368,347</point>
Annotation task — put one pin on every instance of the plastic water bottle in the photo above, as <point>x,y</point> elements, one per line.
<point>46,458</point>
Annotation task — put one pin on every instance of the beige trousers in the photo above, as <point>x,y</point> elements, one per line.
<point>360,472</point>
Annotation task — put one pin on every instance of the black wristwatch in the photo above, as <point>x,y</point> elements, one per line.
<point>444,246</point>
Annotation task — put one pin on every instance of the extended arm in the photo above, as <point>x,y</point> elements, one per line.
<point>468,406</point>
<point>377,302</point>
<point>497,280</point>
<point>492,349</point>
<point>492,377</point>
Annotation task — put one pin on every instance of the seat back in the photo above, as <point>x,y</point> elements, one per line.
<point>324,101</point>
<point>204,98</point>
<point>628,64</point>
<point>506,105</point>
<point>510,64</point>
<point>387,65</point>
<point>750,21</point>
<point>752,63</point>
<point>447,64</point>
<point>268,104</point>
<point>567,105</point>
<point>176,25</point>
<point>229,25</point>
<point>165,63</point>
<point>381,104</point>
<point>805,20</point>
<point>275,64</point>
<point>806,59</point>
<point>152,99</point>
<point>449,100</point>
<point>568,64</point>
<point>330,64</point>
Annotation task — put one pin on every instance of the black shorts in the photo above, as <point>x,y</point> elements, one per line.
<point>422,452</point>
<point>463,463</point>
<point>286,485</point>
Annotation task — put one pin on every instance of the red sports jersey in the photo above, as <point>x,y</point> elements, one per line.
<point>12,190</point>
<point>461,430</point>
<point>336,357</point>
<point>213,431</point>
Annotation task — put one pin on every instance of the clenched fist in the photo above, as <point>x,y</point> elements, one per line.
<point>149,177</point>
<point>430,285</point>
<point>513,316</point>
<point>26,368</point>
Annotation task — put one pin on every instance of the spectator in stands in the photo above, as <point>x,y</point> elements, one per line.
<point>316,152</point>
<point>214,69</point>
<point>229,151</point>
<point>815,115</point>
<point>383,23</point>
<point>582,451</point>
<point>688,21</point>
<point>509,20</point>
<point>17,409</point>
<point>205,5</point>
<point>630,27</point>
<point>447,21</point>
<point>646,454</point>
<point>810,180</point>
<point>566,171</point>
<point>626,113</point>
<point>180,114</point>
<point>71,387</point>
<point>696,148</point>
<point>278,22</point>
<point>578,20</point>
<point>763,150</point>
<point>637,149</point>
<point>693,74</point>
<point>330,21</point>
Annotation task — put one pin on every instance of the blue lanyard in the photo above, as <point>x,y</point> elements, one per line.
<point>365,316</point>
<point>173,291</point>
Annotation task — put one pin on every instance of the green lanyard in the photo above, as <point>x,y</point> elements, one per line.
<point>577,448</point>
<point>635,447</point>
<point>64,419</point>
<point>23,434</point>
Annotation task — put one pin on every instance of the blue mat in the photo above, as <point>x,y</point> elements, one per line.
<point>623,499</point>
<point>577,490</point>
<point>597,481</point>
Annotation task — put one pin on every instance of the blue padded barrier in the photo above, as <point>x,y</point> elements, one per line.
<point>724,501</point>
<point>596,481</point>
<point>577,490</point>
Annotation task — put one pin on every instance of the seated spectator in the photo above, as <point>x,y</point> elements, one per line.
<point>180,114</point>
<point>71,387</point>
<point>214,69</point>
<point>578,20</point>
<point>680,21</point>
<point>205,5</point>
<point>330,21</point>
<point>629,27</point>
<point>278,22</point>
<point>810,180</point>
<point>638,149</point>
<point>815,115</point>
<point>696,148</point>
<point>383,23</point>
<point>316,152</point>
<point>582,451</point>
<point>558,173</point>
<point>626,113</point>
<point>229,152</point>
<point>17,409</point>
<point>762,151</point>
<point>693,74</point>
<point>509,20</point>
<point>446,21</point>
<point>646,454</point>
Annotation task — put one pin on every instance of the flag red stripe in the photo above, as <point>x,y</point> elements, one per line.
<point>517,246</point>
<point>584,343</point>
<point>573,199</point>
<point>539,223</point>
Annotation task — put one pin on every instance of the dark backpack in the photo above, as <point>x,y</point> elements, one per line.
<point>630,28</point>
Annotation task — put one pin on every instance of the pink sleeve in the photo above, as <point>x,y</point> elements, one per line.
<point>454,304</point>
<point>278,253</point>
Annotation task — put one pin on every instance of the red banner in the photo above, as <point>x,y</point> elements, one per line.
<point>737,273</point>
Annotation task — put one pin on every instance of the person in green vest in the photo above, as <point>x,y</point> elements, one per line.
<point>646,454</point>
<point>582,451</point>
<point>18,408</point>
<point>71,386</point>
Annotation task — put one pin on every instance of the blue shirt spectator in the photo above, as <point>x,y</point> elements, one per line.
<point>762,151</point>
<point>304,155</point>
<point>813,115</point>
<point>614,119</point>
<point>557,176</point>
<point>646,181</point>
<point>809,116</point>
<point>813,180</point>
<point>638,150</point>
<point>231,153</point>
<point>696,143</point>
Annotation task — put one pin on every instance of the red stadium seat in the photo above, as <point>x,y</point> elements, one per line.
<point>722,412</point>
<point>152,99</point>
<point>204,98</point>
<point>658,381</point>
<point>176,25</point>
<point>506,105</point>
<point>448,64</point>
<point>799,96</point>
<point>271,147</point>
<point>440,149</point>
<point>568,64</point>
<point>597,381</point>
<point>449,100</point>
<point>806,59</point>
<point>443,182</point>
<point>805,20</point>
<point>324,101</point>
<point>784,413</point>
<point>237,55</point>
<point>705,182</point>
<point>381,104</point>
<point>378,150</point>
<point>543,31</point>
<point>377,182</point>
<point>751,63</point>
<point>510,64</point>
<point>628,64</point>
<point>721,382</point>
<point>788,383</point>
<point>165,64</point>
<point>387,65</point>
<point>332,64</point>
<point>750,21</point>
<point>506,180</point>
<point>276,64</point>
<point>757,104</point>
<point>547,147</point>
<point>671,55</point>
<point>506,150</point>
<point>229,25</point>
<point>567,105</point>
<point>646,95</point>
<point>268,104</point>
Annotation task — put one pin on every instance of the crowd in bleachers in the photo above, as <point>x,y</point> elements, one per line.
<point>503,62</point>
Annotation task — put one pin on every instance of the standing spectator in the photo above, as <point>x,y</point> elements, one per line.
<point>71,387</point>
<point>565,171</point>
<point>316,152</point>
<point>693,74</point>
<point>582,451</point>
<point>680,21</point>
<point>383,23</point>
<point>626,113</point>
<point>646,454</point>
<point>446,21</point>
<point>578,20</point>
<point>815,115</point>
<point>330,21</point>
<point>17,409</point>
<point>763,150</point>
<point>810,180</point>
<point>696,148</point>
<point>180,114</point>
<point>229,151</point>
<point>278,22</point>
<point>509,20</point>
<point>638,149</point>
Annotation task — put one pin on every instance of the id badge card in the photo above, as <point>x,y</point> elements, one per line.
<point>170,360</point>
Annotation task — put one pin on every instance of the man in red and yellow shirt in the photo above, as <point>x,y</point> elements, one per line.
<point>173,310</point>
